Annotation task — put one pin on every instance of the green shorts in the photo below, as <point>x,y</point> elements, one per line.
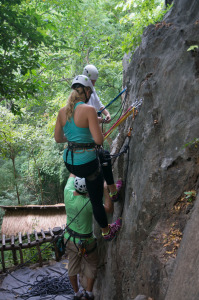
<point>85,264</point>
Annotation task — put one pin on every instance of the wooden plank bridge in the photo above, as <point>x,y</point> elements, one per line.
<point>35,239</point>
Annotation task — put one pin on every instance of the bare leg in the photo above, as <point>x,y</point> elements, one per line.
<point>108,204</point>
<point>73,281</point>
<point>90,283</point>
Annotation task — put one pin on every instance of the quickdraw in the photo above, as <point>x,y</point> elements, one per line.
<point>82,248</point>
<point>133,109</point>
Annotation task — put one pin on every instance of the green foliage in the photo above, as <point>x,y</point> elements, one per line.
<point>139,14</point>
<point>192,48</point>
<point>8,258</point>
<point>20,41</point>
<point>11,137</point>
<point>30,255</point>
<point>38,165</point>
<point>194,143</point>
<point>43,45</point>
<point>190,196</point>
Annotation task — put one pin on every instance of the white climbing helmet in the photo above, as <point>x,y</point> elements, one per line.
<point>91,72</point>
<point>83,80</point>
<point>80,185</point>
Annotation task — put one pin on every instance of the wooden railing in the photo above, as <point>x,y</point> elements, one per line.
<point>36,239</point>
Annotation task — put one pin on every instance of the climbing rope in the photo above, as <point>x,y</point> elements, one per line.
<point>132,109</point>
<point>45,286</point>
<point>99,112</point>
<point>120,108</point>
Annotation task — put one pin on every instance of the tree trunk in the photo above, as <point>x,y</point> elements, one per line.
<point>40,181</point>
<point>15,177</point>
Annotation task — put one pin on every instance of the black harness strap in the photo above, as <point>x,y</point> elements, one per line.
<point>72,146</point>
<point>79,146</point>
<point>75,234</point>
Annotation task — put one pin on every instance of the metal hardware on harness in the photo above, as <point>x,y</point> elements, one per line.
<point>81,244</point>
<point>82,248</point>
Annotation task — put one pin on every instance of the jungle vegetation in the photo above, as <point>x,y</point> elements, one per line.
<point>43,45</point>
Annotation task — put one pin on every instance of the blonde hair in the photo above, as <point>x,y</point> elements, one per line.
<point>75,96</point>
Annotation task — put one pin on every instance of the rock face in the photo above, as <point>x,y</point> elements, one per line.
<point>153,256</point>
<point>186,272</point>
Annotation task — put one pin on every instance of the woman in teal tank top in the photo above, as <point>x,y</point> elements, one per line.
<point>77,123</point>
<point>78,135</point>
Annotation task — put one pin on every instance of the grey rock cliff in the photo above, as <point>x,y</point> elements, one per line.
<point>184,283</point>
<point>158,232</point>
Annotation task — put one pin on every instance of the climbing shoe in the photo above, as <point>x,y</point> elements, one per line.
<point>113,229</point>
<point>115,197</point>
<point>87,297</point>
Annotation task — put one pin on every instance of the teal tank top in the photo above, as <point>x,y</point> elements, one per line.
<point>78,135</point>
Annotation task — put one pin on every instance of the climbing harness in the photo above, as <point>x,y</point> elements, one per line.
<point>60,241</point>
<point>80,146</point>
<point>82,244</point>
<point>75,234</point>
<point>73,147</point>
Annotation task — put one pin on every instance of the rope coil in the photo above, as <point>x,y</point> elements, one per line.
<point>47,285</point>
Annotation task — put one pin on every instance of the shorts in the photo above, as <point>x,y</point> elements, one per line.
<point>86,264</point>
